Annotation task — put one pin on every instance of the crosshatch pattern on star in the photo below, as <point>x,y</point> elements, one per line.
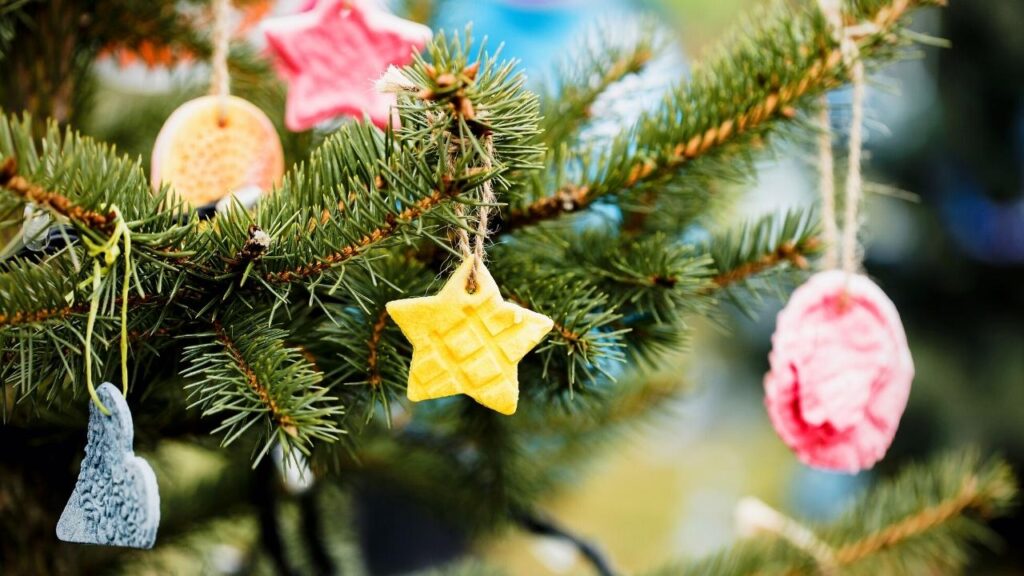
<point>468,343</point>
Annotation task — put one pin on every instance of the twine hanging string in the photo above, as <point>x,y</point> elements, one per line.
<point>220,82</point>
<point>827,188</point>
<point>476,248</point>
<point>850,257</point>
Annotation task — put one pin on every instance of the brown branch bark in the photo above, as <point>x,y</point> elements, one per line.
<point>388,229</point>
<point>53,201</point>
<point>912,525</point>
<point>373,362</point>
<point>787,253</point>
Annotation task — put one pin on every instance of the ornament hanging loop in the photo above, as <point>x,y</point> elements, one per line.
<point>220,82</point>
<point>476,249</point>
<point>845,36</point>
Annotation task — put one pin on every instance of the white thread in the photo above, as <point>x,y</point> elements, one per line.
<point>851,260</point>
<point>844,36</point>
<point>827,188</point>
<point>220,82</point>
<point>487,199</point>
<point>460,210</point>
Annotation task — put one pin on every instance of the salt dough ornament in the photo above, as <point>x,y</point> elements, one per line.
<point>840,372</point>
<point>332,54</point>
<point>214,146</point>
<point>468,343</point>
<point>116,501</point>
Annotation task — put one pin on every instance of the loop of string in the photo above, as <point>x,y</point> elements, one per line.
<point>220,83</point>
<point>105,255</point>
<point>850,257</point>
<point>476,248</point>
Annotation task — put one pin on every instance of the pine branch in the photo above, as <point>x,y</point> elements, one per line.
<point>243,370</point>
<point>51,201</point>
<point>920,522</point>
<point>749,259</point>
<point>731,104</point>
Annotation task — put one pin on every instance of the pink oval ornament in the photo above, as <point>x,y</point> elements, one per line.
<point>840,372</point>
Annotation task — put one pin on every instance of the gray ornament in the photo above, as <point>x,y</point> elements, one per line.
<point>116,501</point>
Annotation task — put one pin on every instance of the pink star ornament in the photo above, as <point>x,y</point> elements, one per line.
<point>332,54</point>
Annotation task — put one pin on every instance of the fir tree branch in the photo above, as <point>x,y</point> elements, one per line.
<point>919,523</point>
<point>392,224</point>
<point>785,253</point>
<point>52,201</point>
<point>606,57</point>
<point>283,420</point>
<point>719,109</point>
<point>746,258</point>
<point>243,370</point>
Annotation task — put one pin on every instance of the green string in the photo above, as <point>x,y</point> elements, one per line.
<point>109,251</point>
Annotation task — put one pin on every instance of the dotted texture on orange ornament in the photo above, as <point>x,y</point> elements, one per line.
<point>210,147</point>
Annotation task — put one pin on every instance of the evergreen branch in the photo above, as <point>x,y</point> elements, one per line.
<point>785,253</point>
<point>52,201</point>
<point>282,419</point>
<point>896,527</point>
<point>920,522</point>
<point>721,109</point>
<point>746,259</point>
<point>927,519</point>
<point>372,362</point>
<point>392,224</point>
<point>243,369</point>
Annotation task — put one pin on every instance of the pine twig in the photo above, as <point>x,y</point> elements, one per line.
<point>911,526</point>
<point>391,225</point>
<point>825,73</point>
<point>53,201</point>
<point>786,253</point>
<point>283,420</point>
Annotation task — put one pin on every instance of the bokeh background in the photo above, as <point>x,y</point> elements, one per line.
<point>944,238</point>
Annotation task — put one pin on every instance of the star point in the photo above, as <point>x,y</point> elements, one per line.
<point>468,343</point>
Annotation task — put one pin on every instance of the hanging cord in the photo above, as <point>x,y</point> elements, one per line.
<point>476,248</point>
<point>108,252</point>
<point>220,83</point>
<point>844,36</point>
<point>754,517</point>
<point>851,218</point>
<point>827,188</point>
<point>487,200</point>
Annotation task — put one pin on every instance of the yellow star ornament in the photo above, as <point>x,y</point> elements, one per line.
<point>468,343</point>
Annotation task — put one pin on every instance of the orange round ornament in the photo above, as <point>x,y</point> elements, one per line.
<point>213,146</point>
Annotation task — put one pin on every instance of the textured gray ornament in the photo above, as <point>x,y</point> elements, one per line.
<point>116,501</point>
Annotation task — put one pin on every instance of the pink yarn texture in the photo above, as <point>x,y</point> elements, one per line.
<point>840,372</point>
<point>332,54</point>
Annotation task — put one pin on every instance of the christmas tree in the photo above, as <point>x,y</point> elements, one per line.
<point>272,349</point>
